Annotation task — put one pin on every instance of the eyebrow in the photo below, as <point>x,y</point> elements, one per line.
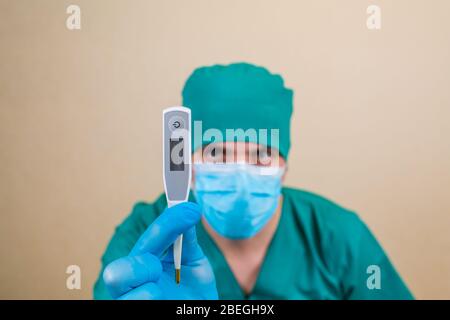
<point>227,148</point>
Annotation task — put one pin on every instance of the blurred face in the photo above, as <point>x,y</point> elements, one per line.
<point>238,185</point>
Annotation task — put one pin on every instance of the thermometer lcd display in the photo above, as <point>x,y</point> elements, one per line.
<point>176,154</point>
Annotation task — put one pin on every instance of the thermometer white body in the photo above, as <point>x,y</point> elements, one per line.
<point>177,165</point>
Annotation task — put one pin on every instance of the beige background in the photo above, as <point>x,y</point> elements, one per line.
<point>80,120</point>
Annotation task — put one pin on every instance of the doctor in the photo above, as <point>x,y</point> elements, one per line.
<point>246,236</point>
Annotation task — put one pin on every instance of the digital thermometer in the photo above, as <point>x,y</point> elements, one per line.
<point>177,165</point>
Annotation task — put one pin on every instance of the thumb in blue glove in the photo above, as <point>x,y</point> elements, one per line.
<point>148,271</point>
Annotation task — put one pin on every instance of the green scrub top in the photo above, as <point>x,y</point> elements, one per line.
<point>319,251</point>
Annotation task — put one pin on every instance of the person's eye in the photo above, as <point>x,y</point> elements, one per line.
<point>264,157</point>
<point>213,154</point>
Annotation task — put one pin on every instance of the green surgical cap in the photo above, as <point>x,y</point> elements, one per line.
<point>239,96</point>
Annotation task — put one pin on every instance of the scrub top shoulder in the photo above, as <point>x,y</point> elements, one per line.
<point>319,251</point>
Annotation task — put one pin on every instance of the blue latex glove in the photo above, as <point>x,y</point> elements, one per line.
<point>148,271</point>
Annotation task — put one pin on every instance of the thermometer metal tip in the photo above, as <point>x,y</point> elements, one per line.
<point>177,276</point>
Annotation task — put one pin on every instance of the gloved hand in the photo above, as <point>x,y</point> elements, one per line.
<point>148,271</point>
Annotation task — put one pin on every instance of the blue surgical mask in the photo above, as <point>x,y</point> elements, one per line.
<point>237,199</point>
